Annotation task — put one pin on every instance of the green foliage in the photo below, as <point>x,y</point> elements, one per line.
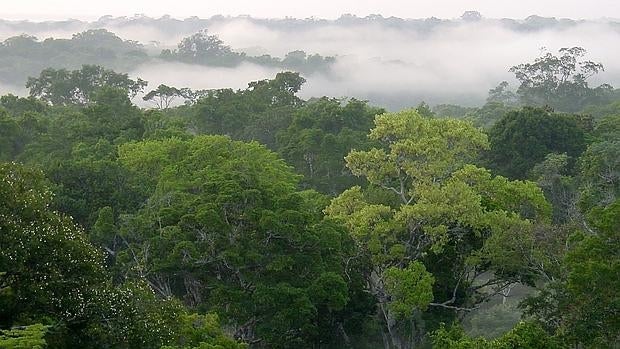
<point>582,306</point>
<point>195,226</point>
<point>559,188</point>
<point>225,230</point>
<point>92,179</point>
<point>205,49</point>
<point>600,166</point>
<point>523,138</point>
<point>455,338</point>
<point>77,149</point>
<point>202,48</point>
<point>130,316</point>
<point>605,110</point>
<point>415,147</point>
<point>64,87</point>
<point>441,208</point>
<point>49,267</point>
<point>256,113</point>
<point>51,274</point>
<point>526,335</point>
<point>321,133</point>
<point>329,290</point>
<point>10,137</point>
<point>17,106</point>
<point>560,81</point>
<point>25,56</point>
<point>25,337</point>
<point>112,116</point>
<point>409,288</point>
<point>202,332</point>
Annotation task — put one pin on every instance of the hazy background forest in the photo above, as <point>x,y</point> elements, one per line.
<point>362,181</point>
<point>392,62</point>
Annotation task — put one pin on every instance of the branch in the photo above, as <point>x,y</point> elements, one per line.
<point>453,307</point>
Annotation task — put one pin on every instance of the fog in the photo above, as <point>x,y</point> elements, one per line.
<point>199,77</point>
<point>455,64</point>
<point>13,89</point>
<point>391,65</point>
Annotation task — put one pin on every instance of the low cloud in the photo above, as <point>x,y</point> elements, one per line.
<point>12,89</point>
<point>395,64</point>
<point>399,67</point>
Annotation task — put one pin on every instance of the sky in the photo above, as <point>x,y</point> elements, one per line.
<point>89,10</point>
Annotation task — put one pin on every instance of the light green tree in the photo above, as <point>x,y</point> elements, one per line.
<point>24,337</point>
<point>439,206</point>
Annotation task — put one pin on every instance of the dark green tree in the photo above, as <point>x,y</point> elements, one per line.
<point>256,113</point>
<point>225,230</point>
<point>48,267</point>
<point>321,133</point>
<point>582,305</point>
<point>64,87</point>
<point>524,137</point>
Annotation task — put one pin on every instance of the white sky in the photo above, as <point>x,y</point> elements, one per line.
<point>89,9</point>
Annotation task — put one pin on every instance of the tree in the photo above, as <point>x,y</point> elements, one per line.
<point>127,316</point>
<point>50,274</point>
<point>112,116</point>
<point>202,48</point>
<point>279,91</point>
<point>25,56</point>
<point>560,189</point>
<point>48,265</point>
<point>435,207</point>
<point>17,106</point>
<point>321,133</point>
<point>201,332</point>
<point>581,305</point>
<point>10,137</point>
<point>300,61</point>
<point>502,94</point>
<point>163,96</point>
<point>600,166</point>
<point>424,110</point>
<point>225,230</point>
<point>256,113</point>
<point>560,81</point>
<point>489,114</point>
<point>522,138</point>
<point>91,179</point>
<point>63,87</point>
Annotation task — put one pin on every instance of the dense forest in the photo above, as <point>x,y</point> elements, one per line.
<point>254,218</point>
